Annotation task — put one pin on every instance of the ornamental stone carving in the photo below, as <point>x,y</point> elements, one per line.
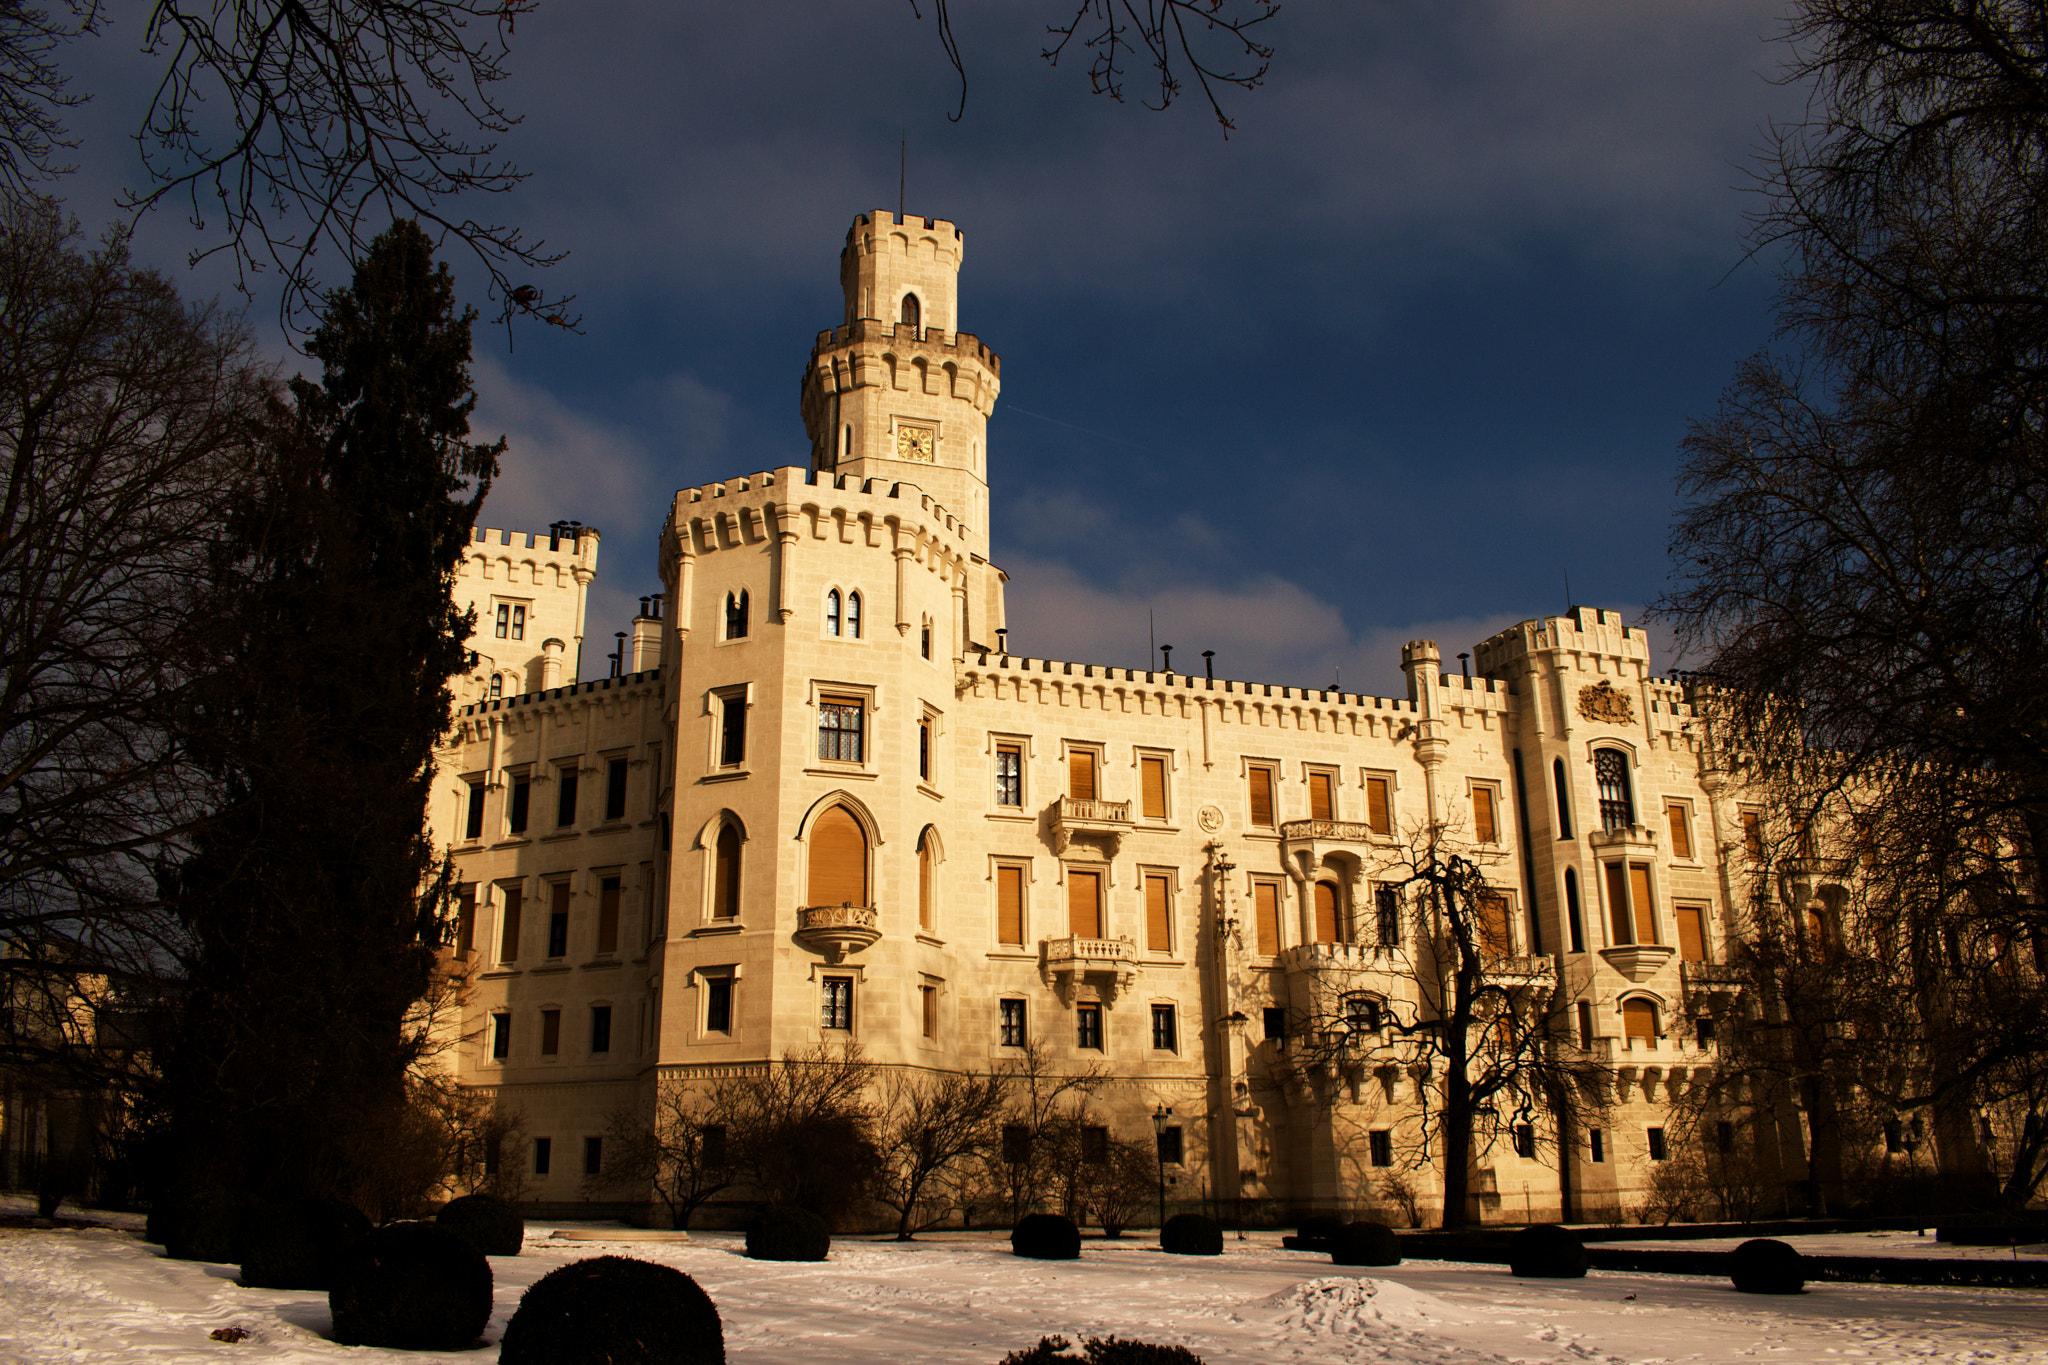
<point>1210,819</point>
<point>1603,703</point>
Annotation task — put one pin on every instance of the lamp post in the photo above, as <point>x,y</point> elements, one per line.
<point>1159,1120</point>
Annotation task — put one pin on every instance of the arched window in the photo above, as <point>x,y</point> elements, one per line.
<point>832,612</point>
<point>1639,1020</point>
<point>853,616</point>
<point>839,859</point>
<point>913,311</point>
<point>736,615</point>
<point>725,874</point>
<point>1326,913</point>
<point>497,686</point>
<point>1564,799</point>
<point>1610,773</point>
<point>846,443</point>
<point>1573,921</point>
<point>927,882</point>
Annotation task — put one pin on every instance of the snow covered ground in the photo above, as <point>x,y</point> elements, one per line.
<point>104,1296</point>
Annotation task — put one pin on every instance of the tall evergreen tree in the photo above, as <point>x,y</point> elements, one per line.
<point>315,902</point>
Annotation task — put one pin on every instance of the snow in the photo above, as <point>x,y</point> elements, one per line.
<point>103,1295</point>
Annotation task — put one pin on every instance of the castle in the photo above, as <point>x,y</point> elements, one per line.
<point>821,801</point>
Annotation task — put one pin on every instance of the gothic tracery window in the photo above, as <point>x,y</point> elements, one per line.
<point>1610,773</point>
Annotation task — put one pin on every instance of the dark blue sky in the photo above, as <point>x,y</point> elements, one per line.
<point>1413,344</point>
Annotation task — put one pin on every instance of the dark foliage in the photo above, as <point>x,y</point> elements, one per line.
<point>203,1227</point>
<point>297,1244</point>
<point>1547,1251</point>
<point>487,1223</point>
<point>411,1287</point>
<point>612,1310</point>
<point>1365,1243</point>
<point>1763,1265</point>
<point>1318,1231</point>
<point>782,1232</point>
<point>1103,1351</point>
<point>1191,1234</point>
<point>1046,1237</point>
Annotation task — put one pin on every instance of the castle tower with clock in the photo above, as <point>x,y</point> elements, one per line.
<point>823,802</point>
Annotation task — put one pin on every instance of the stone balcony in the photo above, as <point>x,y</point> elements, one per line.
<point>1068,961</point>
<point>1711,978</point>
<point>1108,820</point>
<point>1520,969</point>
<point>1639,961</point>
<point>837,930</point>
<point>1304,835</point>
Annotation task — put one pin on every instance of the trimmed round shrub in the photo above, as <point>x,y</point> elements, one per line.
<point>295,1245</point>
<point>1365,1243</point>
<point>781,1232</point>
<point>1547,1251</point>
<point>486,1222</point>
<point>1319,1230</point>
<point>410,1287</point>
<point>1191,1234</point>
<point>613,1310</point>
<point>1046,1237</point>
<point>208,1227</point>
<point>1764,1266</point>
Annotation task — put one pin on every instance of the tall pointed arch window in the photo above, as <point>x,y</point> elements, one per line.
<point>832,612</point>
<point>927,882</point>
<point>736,615</point>
<point>853,616</point>
<point>913,311</point>
<point>725,874</point>
<point>838,859</point>
<point>1610,774</point>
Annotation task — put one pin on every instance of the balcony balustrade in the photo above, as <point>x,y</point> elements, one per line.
<point>1067,817</point>
<point>1070,960</point>
<point>837,930</point>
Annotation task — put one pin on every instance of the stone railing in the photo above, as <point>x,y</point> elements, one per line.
<point>1710,976</point>
<point>1069,959</point>
<point>1518,969</point>
<point>1070,816</point>
<point>837,930</point>
<point>1098,812</point>
<point>1344,831</point>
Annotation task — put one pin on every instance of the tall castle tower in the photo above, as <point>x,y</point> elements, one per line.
<point>897,393</point>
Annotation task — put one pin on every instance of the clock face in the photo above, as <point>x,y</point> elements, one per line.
<point>917,443</point>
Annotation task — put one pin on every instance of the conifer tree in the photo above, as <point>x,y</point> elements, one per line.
<point>315,902</point>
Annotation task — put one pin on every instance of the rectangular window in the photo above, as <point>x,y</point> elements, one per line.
<point>1152,787</point>
<point>1485,820</point>
<point>1081,774</point>
<point>924,642</point>
<point>1010,1024</point>
<point>1379,805</point>
<point>473,827</point>
<point>1753,835</point>
<point>550,1033</point>
<point>1088,1027</point>
<point>504,624</point>
<point>711,1142</point>
<point>1525,1140</point>
<point>928,1009</point>
<point>1361,1013</point>
<point>508,929</point>
<point>1275,1020</point>
<point>543,1151</point>
<point>1597,1141</point>
<point>1692,931</point>
<point>516,809</point>
<point>836,1011</point>
<point>1266,906</point>
<point>1165,1029</point>
<point>501,1037</point>
<point>593,1155</point>
<point>1016,1144</point>
<point>718,1004</point>
<point>1010,905</point>
<point>1094,1144</point>
<point>465,920</point>
<point>1158,912</point>
<point>1645,907</point>
<point>615,789</point>
<point>924,749</point>
<point>1657,1152</point>
<point>519,623</point>
<point>1380,1143</point>
<point>600,1029</point>
<point>1009,775</point>
<point>1617,903</point>
<point>1260,792</point>
<point>732,730</point>
<point>608,892</point>
<point>1681,829</point>
<point>1386,904</point>
<point>1322,797</point>
<point>1172,1150</point>
<point>1495,938</point>
<point>1586,1025</point>
<point>558,920</point>
<point>1703,1029</point>
<point>1084,904</point>
<point>840,726</point>
<point>565,795</point>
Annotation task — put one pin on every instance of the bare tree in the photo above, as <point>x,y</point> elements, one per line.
<point>1120,1183</point>
<point>680,1155</point>
<point>802,1130</point>
<point>1039,1153</point>
<point>931,1127</point>
<point>33,90</point>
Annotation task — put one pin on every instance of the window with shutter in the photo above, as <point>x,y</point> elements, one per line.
<point>1645,907</point>
<point>725,876</point>
<point>1681,829</point>
<point>1081,775</point>
<point>1753,835</point>
<point>1266,904</point>
<point>1585,1010</point>
<point>1485,821</point>
<point>1084,904</point>
<point>1322,800</point>
<point>1494,937</point>
<point>1692,932</point>
<point>608,892</point>
<point>550,1032</point>
<point>1379,805</point>
<point>1158,913</point>
<point>508,933</point>
<point>1617,904</point>
<point>839,859</point>
<point>558,920</point>
<point>926,871</point>
<point>1010,905</point>
<point>1326,913</point>
<point>1261,780</point>
<point>1153,771</point>
<point>1639,1020</point>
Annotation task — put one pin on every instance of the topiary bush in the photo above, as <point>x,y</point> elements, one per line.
<point>613,1310</point>
<point>1102,1351</point>
<point>207,1227</point>
<point>1190,1234</point>
<point>1046,1237</point>
<point>1547,1251</point>
<point>1365,1243</point>
<point>410,1287</point>
<point>296,1244</point>
<point>781,1232</point>
<point>1764,1266</point>
<point>486,1222</point>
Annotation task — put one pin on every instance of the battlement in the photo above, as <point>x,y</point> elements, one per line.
<point>536,540</point>
<point>992,666</point>
<point>881,219</point>
<point>926,340</point>
<point>879,494</point>
<point>1582,630</point>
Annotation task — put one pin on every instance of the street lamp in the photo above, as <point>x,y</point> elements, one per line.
<point>1159,1121</point>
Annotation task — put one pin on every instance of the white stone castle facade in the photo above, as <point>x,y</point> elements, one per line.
<point>823,802</point>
